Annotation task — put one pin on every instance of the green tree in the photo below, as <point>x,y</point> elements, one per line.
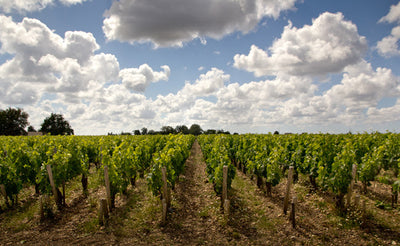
<point>55,124</point>
<point>136,132</point>
<point>31,129</point>
<point>165,130</point>
<point>13,122</point>
<point>195,129</point>
<point>210,131</point>
<point>182,129</point>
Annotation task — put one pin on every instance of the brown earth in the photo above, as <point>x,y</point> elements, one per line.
<point>196,217</point>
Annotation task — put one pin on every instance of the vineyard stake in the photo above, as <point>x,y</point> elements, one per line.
<point>53,186</point>
<point>226,208</point>
<point>164,211</point>
<point>165,186</point>
<point>63,193</point>
<point>292,213</point>
<point>350,190</point>
<point>108,191</point>
<point>224,184</point>
<point>103,212</point>
<point>289,183</point>
<point>364,211</point>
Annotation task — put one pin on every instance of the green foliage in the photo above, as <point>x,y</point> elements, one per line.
<point>55,124</point>
<point>172,157</point>
<point>340,176</point>
<point>13,122</point>
<point>216,154</point>
<point>325,157</point>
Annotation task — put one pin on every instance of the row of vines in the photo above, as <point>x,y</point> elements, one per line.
<point>24,161</point>
<point>326,159</point>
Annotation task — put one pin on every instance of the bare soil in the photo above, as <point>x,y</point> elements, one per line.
<point>196,216</point>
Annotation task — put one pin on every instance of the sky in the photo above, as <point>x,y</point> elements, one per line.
<point>246,66</point>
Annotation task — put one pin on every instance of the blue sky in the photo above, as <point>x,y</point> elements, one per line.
<point>238,65</point>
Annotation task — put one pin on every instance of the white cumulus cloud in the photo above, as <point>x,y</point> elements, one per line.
<point>389,45</point>
<point>171,23</point>
<point>138,79</point>
<point>327,46</point>
<point>49,73</point>
<point>23,6</point>
<point>207,83</point>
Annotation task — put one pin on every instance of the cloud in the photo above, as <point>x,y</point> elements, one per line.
<point>177,21</point>
<point>49,73</point>
<point>284,100</point>
<point>213,101</point>
<point>207,83</point>
<point>327,46</point>
<point>360,90</point>
<point>388,114</point>
<point>46,62</point>
<point>393,15</point>
<point>362,87</point>
<point>138,79</point>
<point>388,46</point>
<point>9,6</point>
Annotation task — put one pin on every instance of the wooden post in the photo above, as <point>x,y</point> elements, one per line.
<point>63,193</point>
<point>165,186</point>
<point>224,184</point>
<point>164,211</point>
<point>108,190</point>
<point>53,186</point>
<point>350,190</point>
<point>226,208</point>
<point>289,183</point>
<point>41,208</point>
<point>103,212</point>
<point>100,215</point>
<point>292,213</point>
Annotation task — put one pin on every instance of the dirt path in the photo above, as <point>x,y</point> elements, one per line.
<point>196,217</point>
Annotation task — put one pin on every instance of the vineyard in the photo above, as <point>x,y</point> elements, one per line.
<point>168,189</point>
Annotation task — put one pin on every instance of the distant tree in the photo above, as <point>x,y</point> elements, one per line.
<point>182,129</point>
<point>136,132</point>
<point>31,129</point>
<point>144,131</point>
<point>276,133</point>
<point>210,131</point>
<point>195,129</point>
<point>126,133</point>
<point>165,130</point>
<point>13,122</point>
<point>151,132</point>
<point>55,124</point>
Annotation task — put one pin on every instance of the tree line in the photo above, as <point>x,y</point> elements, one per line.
<point>13,122</point>
<point>194,129</point>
